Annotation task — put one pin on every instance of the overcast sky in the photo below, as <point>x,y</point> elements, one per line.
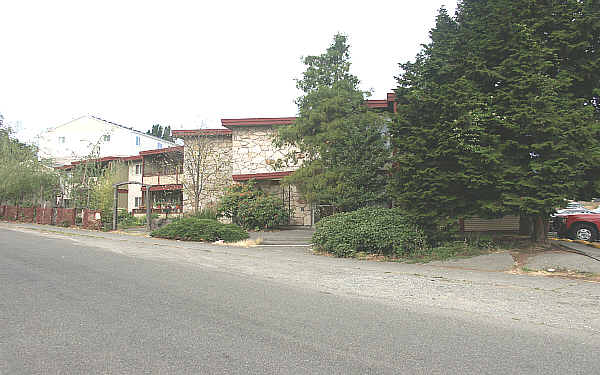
<point>189,63</point>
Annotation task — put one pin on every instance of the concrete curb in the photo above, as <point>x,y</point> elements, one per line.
<point>576,251</point>
<point>592,244</point>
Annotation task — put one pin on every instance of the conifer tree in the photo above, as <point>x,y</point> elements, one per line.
<point>499,113</point>
<point>342,143</point>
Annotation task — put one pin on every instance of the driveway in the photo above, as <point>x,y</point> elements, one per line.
<point>292,236</point>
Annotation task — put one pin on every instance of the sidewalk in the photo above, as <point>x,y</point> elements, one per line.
<point>568,257</point>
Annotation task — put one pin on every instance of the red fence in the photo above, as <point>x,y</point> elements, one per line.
<point>26,214</point>
<point>52,216</point>
<point>65,216</point>
<point>91,219</point>
<point>11,213</point>
<point>44,215</point>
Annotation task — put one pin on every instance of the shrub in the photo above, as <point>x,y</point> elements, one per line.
<point>206,213</point>
<point>127,220</point>
<point>370,230</point>
<point>192,229</point>
<point>251,208</point>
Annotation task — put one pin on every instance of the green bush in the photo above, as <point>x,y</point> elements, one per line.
<point>251,208</point>
<point>369,230</point>
<point>126,219</point>
<point>192,229</point>
<point>206,213</point>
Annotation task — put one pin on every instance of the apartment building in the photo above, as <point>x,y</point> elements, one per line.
<point>90,135</point>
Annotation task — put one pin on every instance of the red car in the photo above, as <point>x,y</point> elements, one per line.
<point>578,226</point>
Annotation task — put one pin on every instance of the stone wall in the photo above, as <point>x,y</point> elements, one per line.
<point>253,151</point>
<point>249,150</point>
<point>292,199</point>
<point>211,156</point>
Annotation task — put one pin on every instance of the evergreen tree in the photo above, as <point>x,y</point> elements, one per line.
<point>160,132</point>
<point>341,142</point>
<point>499,112</point>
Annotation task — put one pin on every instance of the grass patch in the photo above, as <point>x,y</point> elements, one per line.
<point>465,248</point>
<point>450,250</point>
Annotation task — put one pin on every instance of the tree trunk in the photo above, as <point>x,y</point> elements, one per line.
<point>540,229</point>
<point>525,225</point>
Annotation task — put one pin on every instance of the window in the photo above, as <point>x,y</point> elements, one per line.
<point>159,145</point>
<point>138,169</point>
<point>138,140</point>
<point>138,201</point>
<point>61,139</point>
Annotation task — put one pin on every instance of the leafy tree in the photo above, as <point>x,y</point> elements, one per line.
<point>102,191</point>
<point>341,143</point>
<point>207,169</point>
<point>160,132</point>
<point>81,180</point>
<point>23,178</point>
<point>499,113</point>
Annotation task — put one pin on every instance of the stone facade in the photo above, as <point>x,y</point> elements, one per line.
<point>243,150</point>
<point>300,209</point>
<point>209,158</point>
<point>253,150</point>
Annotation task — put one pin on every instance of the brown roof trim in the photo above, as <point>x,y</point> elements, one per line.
<point>67,166</point>
<point>192,132</point>
<point>377,103</point>
<point>134,157</point>
<point>99,160</point>
<point>162,150</point>
<point>263,121</point>
<point>261,176</point>
<point>164,187</point>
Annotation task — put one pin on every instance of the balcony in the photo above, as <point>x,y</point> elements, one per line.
<point>159,179</point>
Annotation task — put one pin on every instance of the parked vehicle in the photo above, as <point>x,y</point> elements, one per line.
<point>571,211</point>
<point>574,205</point>
<point>577,226</point>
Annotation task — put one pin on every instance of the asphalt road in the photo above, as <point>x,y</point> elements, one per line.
<point>72,308</point>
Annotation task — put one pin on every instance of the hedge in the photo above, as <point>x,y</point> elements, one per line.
<point>192,229</point>
<point>370,230</point>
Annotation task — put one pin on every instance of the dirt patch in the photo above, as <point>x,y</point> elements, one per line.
<point>558,273</point>
<point>522,253</point>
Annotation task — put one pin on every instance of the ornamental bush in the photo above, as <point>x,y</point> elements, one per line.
<point>370,230</point>
<point>251,208</point>
<point>192,229</point>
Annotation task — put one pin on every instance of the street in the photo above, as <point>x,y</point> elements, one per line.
<point>81,302</point>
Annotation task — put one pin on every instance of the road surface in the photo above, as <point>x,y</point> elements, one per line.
<point>85,305</point>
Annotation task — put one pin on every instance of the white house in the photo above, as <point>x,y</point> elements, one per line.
<point>78,138</point>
